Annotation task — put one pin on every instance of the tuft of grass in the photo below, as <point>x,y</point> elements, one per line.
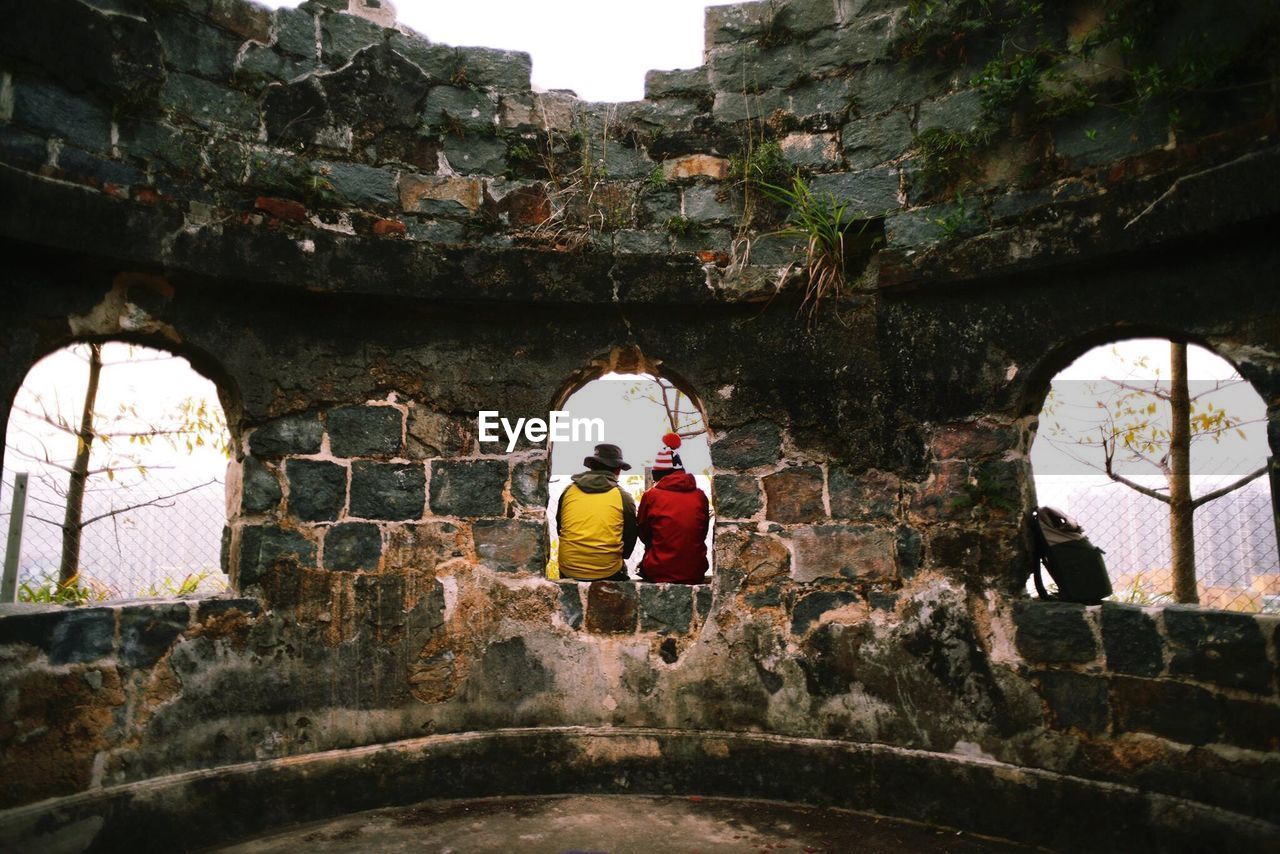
<point>822,222</point>
<point>680,226</point>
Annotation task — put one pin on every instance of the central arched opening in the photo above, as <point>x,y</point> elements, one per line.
<point>658,426</point>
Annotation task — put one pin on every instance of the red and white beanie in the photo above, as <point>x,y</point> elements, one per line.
<point>667,457</point>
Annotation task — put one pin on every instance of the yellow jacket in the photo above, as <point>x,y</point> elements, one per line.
<point>596,522</point>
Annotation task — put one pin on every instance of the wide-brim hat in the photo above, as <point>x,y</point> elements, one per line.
<point>609,456</point>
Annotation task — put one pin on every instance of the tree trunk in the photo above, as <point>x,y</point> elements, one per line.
<point>1181,527</point>
<point>71,523</point>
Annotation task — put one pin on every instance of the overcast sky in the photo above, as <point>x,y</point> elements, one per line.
<point>599,48</point>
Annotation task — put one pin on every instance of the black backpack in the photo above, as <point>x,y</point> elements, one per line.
<point>1074,563</point>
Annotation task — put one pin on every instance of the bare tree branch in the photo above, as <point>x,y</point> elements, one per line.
<point>151,502</point>
<point>1218,493</point>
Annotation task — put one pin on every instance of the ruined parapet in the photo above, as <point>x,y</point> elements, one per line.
<point>367,238</point>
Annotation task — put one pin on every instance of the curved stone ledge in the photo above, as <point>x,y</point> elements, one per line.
<point>973,794</point>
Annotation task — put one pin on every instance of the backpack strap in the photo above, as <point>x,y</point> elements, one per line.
<point>1042,553</point>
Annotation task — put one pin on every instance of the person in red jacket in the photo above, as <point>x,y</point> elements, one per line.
<point>672,522</point>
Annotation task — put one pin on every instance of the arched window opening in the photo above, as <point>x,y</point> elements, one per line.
<point>639,413</point>
<point>123,451</point>
<point>1159,450</point>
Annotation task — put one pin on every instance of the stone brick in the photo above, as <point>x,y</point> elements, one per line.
<point>511,545</point>
<point>702,597</point>
<point>387,491</point>
<point>365,431</point>
<point>529,483</point>
<point>1174,710</point>
<point>260,65</point>
<point>259,488</point>
<point>1053,631</point>
<point>685,82</point>
<point>353,546</point>
<point>208,104</point>
<point>1104,135</point>
<point>1250,724</point>
<point>242,17</point>
<point>286,210</point>
<point>710,204</point>
<point>843,551</point>
<point>342,36</point>
<point>812,606</point>
<point>756,444</point>
<point>435,434</point>
<point>317,489</point>
<point>43,106</point>
<point>468,487</point>
<point>211,609</point>
<point>910,550</point>
<point>1221,647</point>
<point>191,47</point>
<point>262,546</point>
<point>869,496</point>
<point>665,608</point>
<point>1130,640</point>
<point>570,604</point>
<point>635,241</point>
<point>611,608</point>
<point>454,108</point>
<point>22,149</point>
<point>296,32</point>
<point>959,112</point>
<point>794,495</point>
<point>439,196</point>
<point>811,150</point>
<point>148,631</point>
<point>1076,700</point>
<point>476,155</point>
<point>871,191</point>
<point>737,496</point>
<point>972,439</point>
<point>423,546</point>
<point>82,635</point>
<point>359,184</point>
<point>292,434</point>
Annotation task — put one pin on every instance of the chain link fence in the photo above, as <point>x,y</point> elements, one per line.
<point>155,536</point>
<point>1237,567</point>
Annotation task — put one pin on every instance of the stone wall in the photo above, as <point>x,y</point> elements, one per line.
<point>365,238</point>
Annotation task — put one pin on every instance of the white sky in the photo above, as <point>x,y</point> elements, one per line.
<point>599,48</point>
<point>1077,410</point>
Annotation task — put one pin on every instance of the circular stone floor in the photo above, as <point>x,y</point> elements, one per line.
<point>614,824</point>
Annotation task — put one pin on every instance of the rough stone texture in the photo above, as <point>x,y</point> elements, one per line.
<point>1076,700</point>
<point>317,489</point>
<point>510,545</point>
<point>146,633</point>
<point>755,444</point>
<point>352,546</point>
<point>365,431</point>
<point>611,607</point>
<point>297,434</point>
<point>794,495</point>
<point>1131,641</point>
<point>1184,713</point>
<point>260,489</point>
<point>263,546</point>
<point>388,491</point>
<point>840,551</point>
<point>665,608</point>
<point>433,434</point>
<point>737,496</point>
<point>1218,647</point>
<point>1054,631</point>
<point>468,488</point>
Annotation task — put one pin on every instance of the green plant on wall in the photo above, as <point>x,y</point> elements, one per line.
<point>823,223</point>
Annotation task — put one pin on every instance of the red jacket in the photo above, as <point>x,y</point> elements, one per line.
<point>672,522</point>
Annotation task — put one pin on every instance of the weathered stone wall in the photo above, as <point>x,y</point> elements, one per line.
<point>364,239</point>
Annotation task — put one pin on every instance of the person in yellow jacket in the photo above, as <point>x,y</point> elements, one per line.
<point>596,520</point>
